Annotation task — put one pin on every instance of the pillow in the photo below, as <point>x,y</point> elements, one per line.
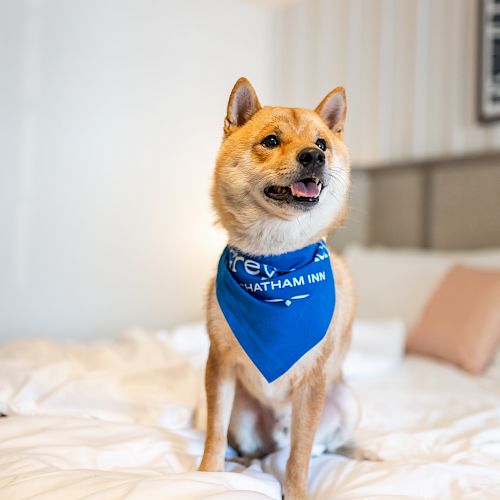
<point>377,347</point>
<point>397,282</point>
<point>461,321</point>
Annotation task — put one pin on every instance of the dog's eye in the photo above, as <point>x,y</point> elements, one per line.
<point>271,141</point>
<point>321,143</point>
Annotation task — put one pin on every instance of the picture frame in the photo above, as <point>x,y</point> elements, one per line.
<point>489,61</point>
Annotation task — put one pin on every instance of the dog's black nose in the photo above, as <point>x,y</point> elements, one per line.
<point>311,157</point>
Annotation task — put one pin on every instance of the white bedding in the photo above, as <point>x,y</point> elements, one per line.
<point>116,419</point>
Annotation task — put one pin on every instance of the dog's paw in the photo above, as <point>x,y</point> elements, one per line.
<point>295,496</point>
<point>292,492</point>
<point>208,465</point>
<point>360,454</point>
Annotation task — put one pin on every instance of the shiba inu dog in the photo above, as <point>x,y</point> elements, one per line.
<point>281,184</point>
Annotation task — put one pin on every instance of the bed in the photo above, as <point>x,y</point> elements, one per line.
<point>123,418</point>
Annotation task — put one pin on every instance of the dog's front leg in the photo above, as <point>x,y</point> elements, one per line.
<point>307,405</point>
<point>220,386</point>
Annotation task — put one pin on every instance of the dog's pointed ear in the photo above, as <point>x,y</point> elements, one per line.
<point>333,109</point>
<point>243,104</point>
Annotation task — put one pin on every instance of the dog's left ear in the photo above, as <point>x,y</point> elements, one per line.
<point>243,104</point>
<point>333,109</point>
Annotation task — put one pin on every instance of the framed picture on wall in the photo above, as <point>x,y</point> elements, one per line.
<point>489,60</point>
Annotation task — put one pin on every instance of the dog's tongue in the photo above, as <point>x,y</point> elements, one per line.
<point>305,189</point>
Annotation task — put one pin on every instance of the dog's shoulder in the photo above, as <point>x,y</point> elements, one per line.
<point>343,276</point>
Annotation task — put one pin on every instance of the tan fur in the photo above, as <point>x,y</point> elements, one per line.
<point>259,227</point>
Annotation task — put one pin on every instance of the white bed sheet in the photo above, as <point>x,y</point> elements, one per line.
<point>115,420</point>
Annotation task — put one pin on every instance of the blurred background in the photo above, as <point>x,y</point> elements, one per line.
<point>111,114</point>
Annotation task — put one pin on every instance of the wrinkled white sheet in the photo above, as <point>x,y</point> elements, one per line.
<point>115,420</point>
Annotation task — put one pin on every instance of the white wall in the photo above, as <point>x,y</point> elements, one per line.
<point>409,67</point>
<point>111,112</point>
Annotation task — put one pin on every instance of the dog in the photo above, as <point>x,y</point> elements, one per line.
<point>281,184</point>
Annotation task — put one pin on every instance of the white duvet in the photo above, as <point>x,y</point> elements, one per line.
<point>118,420</point>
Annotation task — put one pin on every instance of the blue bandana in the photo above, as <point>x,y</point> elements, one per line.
<point>277,306</point>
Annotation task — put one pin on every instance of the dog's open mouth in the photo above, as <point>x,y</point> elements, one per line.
<point>303,191</point>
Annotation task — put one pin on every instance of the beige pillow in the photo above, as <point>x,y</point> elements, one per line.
<point>461,321</point>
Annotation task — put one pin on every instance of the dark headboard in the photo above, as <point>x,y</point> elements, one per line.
<point>441,204</point>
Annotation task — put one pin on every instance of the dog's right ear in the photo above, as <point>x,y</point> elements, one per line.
<point>243,104</point>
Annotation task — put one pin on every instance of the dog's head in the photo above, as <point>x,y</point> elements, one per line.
<point>283,174</point>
